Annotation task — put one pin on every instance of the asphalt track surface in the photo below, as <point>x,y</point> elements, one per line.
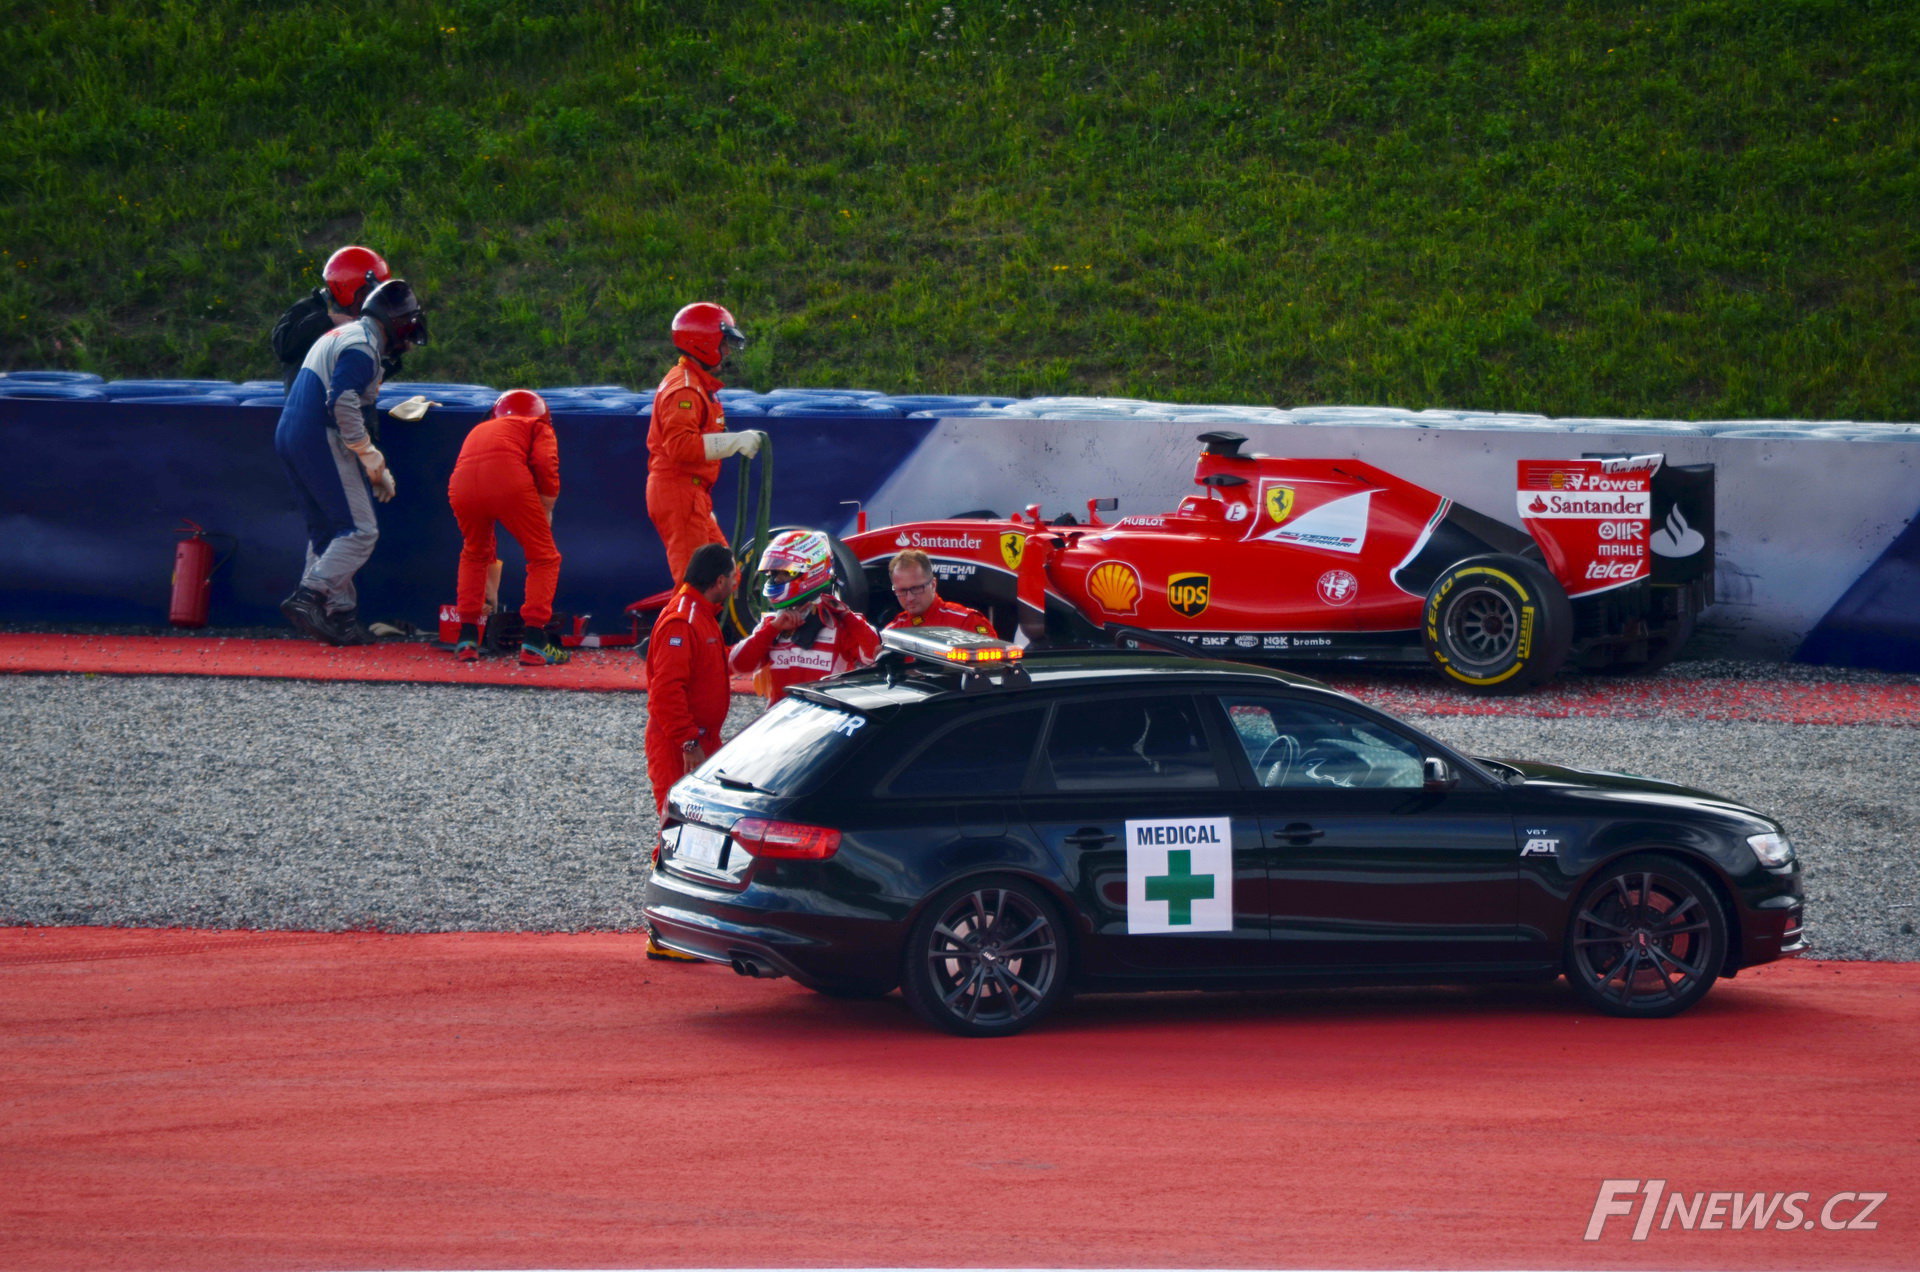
<point>294,1100</point>
<point>287,1101</point>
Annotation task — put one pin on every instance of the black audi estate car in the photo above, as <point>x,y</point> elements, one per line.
<point>990,832</point>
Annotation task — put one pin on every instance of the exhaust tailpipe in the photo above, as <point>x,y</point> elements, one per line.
<point>748,965</point>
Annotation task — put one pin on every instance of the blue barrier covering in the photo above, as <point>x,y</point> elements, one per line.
<point>89,531</point>
<point>45,391</point>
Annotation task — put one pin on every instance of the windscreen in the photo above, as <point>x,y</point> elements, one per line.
<point>785,749</point>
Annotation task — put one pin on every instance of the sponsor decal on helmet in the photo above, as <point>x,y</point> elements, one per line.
<point>1116,586</point>
<point>1188,594</point>
<point>1013,546</point>
<point>1279,503</point>
<point>1337,587</point>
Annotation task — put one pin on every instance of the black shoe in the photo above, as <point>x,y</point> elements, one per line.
<point>345,628</point>
<point>306,609</point>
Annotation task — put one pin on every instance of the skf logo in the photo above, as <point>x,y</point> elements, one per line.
<point>1188,593</point>
<point>1279,503</point>
<point>1116,586</point>
<point>1013,546</point>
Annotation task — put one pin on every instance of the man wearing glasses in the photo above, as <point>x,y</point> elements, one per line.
<point>920,603</point>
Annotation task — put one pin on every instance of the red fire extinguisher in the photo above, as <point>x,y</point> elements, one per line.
<point>193,567</point>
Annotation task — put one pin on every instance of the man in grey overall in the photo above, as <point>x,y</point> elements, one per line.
<point>326,440</point>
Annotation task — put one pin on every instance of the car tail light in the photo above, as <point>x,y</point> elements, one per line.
<point>765,838</point>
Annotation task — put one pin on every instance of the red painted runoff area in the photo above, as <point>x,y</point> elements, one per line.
<point>263,1101</point>
<point>409,661</point>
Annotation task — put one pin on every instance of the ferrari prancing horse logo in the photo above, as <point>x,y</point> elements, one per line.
<point>1279,503</point>
<point>1013,546</point>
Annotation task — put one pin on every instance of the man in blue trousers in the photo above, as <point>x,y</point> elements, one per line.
<point>326,440</point>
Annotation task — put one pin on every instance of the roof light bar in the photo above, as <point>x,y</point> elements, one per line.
<point>950,645</point>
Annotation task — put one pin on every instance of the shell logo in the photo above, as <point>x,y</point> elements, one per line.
<point>1116,586</point>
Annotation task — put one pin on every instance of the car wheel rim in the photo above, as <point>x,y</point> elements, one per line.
<point>993,957</point>
<point>1482,626</point>
<point>1642,940</point>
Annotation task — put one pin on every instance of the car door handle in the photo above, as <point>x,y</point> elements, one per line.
<point>1090,837</point>
<point>1299,833</point>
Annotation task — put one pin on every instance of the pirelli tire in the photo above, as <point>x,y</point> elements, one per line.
<point>1497,624</point>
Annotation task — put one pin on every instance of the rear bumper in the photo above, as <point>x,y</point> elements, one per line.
<point>814,949</point>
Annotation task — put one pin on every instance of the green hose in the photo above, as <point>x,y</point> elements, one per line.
<point>759,514</point>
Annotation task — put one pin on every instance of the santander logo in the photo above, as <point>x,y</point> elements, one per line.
<point>1675,538</point>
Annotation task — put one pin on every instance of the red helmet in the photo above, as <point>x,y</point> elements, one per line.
<point>522,402</point>
<point>706,332</point>
<point>796,568</point>
<point>350,273</point>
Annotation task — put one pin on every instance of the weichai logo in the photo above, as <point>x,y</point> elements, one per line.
<point>1188,593</point>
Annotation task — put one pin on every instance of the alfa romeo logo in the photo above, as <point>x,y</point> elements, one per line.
<point>1337,587</point>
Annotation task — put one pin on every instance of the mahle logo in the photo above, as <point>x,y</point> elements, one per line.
<point>1279,503</point>
<point>1188,593</point>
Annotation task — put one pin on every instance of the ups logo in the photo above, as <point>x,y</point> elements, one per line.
<point>1188,593</point>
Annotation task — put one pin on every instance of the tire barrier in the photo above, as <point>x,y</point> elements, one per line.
<point>73,379</point>
<point>32,390</point>
<point>1817,544</point>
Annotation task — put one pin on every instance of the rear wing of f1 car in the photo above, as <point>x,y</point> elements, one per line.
<point>1604,522</point>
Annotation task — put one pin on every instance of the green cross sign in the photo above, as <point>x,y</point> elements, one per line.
<point>1179,887</point>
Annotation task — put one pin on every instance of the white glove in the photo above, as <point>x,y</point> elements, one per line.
<point>411,409</point>
<point>384,487</point>
<point>721,445</point>
<point>370,458</point>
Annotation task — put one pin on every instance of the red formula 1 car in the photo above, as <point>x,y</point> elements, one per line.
<point>1288,560</point>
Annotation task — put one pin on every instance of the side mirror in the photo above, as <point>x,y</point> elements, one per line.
<point>1437,774</point>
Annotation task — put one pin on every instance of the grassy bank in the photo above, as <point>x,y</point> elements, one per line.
<point>1704,208</point>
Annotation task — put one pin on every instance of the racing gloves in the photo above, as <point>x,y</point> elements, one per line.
<point>375,464</point>
<point>721,445</point>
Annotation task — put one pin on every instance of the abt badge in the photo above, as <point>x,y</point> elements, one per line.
<point>1540,846</point>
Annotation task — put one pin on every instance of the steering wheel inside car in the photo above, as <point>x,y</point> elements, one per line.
<point>1334,766</point>
<point>1277,760</point>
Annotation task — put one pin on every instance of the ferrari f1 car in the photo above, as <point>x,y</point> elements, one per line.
<point>1291,560</point>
